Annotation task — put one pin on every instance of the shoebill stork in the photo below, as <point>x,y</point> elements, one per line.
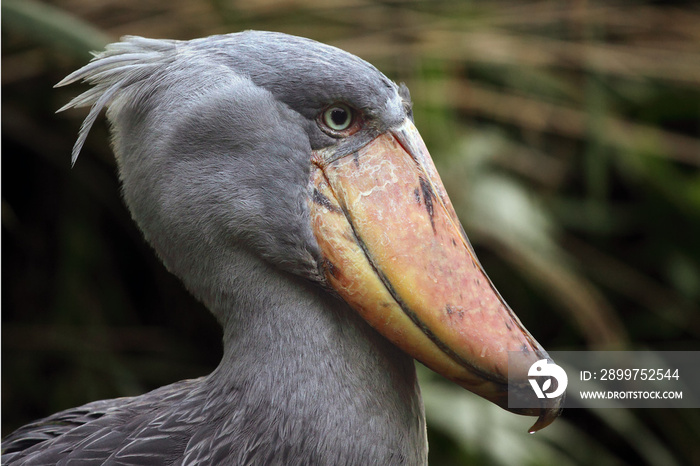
<point>284,182</point>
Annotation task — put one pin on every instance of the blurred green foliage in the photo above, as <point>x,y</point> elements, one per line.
<point>568,137</point>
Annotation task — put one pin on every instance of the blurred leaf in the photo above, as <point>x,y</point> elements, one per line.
<point>51,27</point>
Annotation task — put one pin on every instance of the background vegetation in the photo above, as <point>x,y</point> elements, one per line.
<point>568,136</point>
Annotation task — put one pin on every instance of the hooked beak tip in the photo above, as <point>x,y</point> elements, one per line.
<point>546,417</point>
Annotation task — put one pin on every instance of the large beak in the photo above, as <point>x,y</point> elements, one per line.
<point>395,251</point>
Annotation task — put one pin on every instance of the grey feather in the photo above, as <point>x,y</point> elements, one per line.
<point>213,139</point>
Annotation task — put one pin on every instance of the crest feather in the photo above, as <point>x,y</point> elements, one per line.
<point>120,66</point>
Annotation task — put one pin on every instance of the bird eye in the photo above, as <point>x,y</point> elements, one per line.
<point>337,117</point>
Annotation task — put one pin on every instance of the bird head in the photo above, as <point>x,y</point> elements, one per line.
<point>264,146</point>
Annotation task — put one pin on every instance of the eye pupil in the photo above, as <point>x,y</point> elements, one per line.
<point>339,116</point>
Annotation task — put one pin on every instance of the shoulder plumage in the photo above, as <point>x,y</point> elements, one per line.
<point>42,432</point>
<point>147,429</point>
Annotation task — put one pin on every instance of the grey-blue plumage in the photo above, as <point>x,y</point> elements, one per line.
<point>233,170</point>
<point>213,138</point>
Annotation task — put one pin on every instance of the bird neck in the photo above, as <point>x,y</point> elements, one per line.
<point>298,360</point>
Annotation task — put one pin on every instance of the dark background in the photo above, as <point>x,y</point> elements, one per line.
<point>568,137</point>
